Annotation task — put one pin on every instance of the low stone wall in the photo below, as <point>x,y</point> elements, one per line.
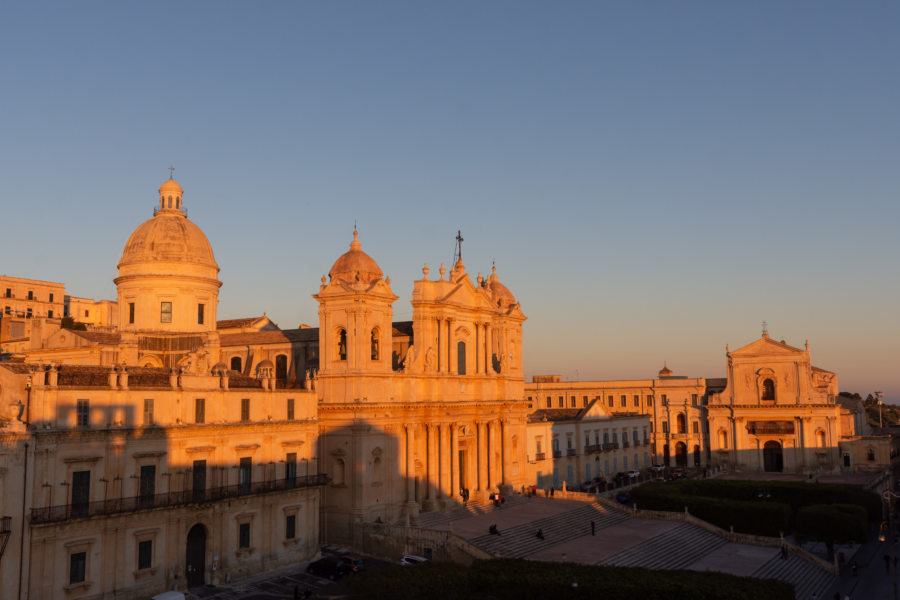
<point>391,542</point>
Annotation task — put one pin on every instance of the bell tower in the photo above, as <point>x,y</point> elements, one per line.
<point>355,325</point>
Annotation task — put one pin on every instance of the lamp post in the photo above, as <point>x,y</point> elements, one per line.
<point>878,396</point>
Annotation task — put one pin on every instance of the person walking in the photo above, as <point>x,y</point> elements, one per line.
<point>540,534</point>
<point>593,528</point>
<point>784,552</point>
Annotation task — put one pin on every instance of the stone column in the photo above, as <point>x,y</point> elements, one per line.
<point>482,456</point>
<point>504,452</point>
<point>410,463</point>
<point>455,483</point>
<point>488,354</point>
<point>478,350</point>
<point>489,431</point>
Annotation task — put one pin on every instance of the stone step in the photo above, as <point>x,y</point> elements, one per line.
<point>807,578</point>
<point>677,548</point>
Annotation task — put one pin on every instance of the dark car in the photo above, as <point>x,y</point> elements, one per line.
<point>353,563</point>
<point>332,567</point>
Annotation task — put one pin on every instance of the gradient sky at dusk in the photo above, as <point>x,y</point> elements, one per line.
<point>653,179</point>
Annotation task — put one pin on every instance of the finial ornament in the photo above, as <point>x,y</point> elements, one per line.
<point>442,270</point>
<point>425,270</point>
<point>765,328</point>
<point>172,172</point>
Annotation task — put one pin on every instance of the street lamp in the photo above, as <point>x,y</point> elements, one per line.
<point>879,395</point>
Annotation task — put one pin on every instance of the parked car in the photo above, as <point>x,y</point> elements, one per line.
<point>331,567</point>
<point>678,473</point>
<point>412,559</point>
<point>624,498</point>
<point>634,474</point>
<point>353,563</point>
<point>657,468</point>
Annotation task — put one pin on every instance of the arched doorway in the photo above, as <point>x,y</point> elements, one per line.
<point>195,563</point>
<point>681,454</point>
<point>772,457</point>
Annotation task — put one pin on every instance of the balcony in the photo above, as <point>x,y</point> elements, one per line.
<point>115,506</point>
<point>608,446</point>
<point>5,531</point>
<point>570,452</point>
<point>625,443</point>
<point>592,448</point>
<point>557,454</point>
<point>770,427</point>
<point>540,456</point>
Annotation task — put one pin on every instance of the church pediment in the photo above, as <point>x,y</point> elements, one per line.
<point>766,346</point>
<point>464,293</point>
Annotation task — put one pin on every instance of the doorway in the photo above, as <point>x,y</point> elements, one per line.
<point>773,458</point>
<point>195,563</point>
<point>681,454</point>
<point>461,461</point>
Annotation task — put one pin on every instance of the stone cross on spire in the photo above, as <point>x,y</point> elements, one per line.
<point>172,172</point>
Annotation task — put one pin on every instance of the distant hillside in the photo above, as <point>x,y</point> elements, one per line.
<point>890,412</point>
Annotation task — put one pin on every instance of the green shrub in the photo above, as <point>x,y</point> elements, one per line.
<point>512,579</point>
<point>832,522</point>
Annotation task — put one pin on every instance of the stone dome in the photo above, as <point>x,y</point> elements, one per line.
<point>666,371</point>
<point>355,265</point>
<point>169,236</point>
<point>499,292</point>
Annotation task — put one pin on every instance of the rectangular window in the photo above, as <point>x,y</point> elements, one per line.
<point>200,309</point>
<point>200,410</point>
<point>245,409</point>
<point>610,401</point>
<point>245,475</point>
<point>148,484</point>
<point>665,425</point>
<point>30,295</point>
<point>562,401</point>
<point>290,468</point>
<point>290,409</point>
<point>694,399</point>
<point>198,473</point>
<point>7,310</point>
<point>86,314</point>
<point>51,298</point>
<point>649,401</point>
<point>572,402</point>
<point>665,401</point>
<point>622,401</point>
<point>637,401</point>
<point>244,535</point>
<point>290,527</point>
<point>165,312</point>
<point>549,402</point>
<point>50,314</point>
<point>145,554</point>
<point>615,437</point>
<point>77,564</point>
<point>131,312</point>
<point>81,493</point>
<point>82,413</point>
<point>148,412</point>
<point>28,312</point>
<point>695,427</point>
<point>584,400</point>
<point>529,402</point>
<point>8,293</point>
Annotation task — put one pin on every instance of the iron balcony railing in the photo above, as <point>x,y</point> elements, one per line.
<point>557,454</point>
<point>591,448</point>
<point>607,446</point>
<point>540,456</point>
<point>67,512</point>
<point>625,443</point>
<point>570,451</point>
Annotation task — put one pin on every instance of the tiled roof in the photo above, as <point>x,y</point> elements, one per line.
<point>554,414</point>
<point>402,328</point>
<point>98,337</point>
<point>232,323</point>
<point>19,368</point>
<point>270,337</point>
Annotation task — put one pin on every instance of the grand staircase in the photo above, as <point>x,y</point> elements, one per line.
<point>677,548</point>
<point>521,541</point>
<point>808,579</point>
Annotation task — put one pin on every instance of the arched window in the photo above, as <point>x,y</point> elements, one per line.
<point>170,201</point>
<point>870,454</point>
<point>461,358</point>
<point>376,335</point>
<point>377,470</point>
<point>695,427</point>
<point>281,366</point>
<point>723,439</point>
<point>682,424</point>
<point>236,363</point>
<point>820,438</point>
<point>342,344</point>
<point>768,392</point>
<point>177,201</point>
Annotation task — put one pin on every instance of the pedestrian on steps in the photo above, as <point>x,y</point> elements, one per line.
<point>593,528</point>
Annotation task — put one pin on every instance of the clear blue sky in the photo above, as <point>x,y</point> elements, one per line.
<point>653,179</point>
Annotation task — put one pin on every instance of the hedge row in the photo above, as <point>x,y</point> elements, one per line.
<point>513,579</point>
<point>832,522</point>
<point>796,494</point>
<point>757,518</point>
